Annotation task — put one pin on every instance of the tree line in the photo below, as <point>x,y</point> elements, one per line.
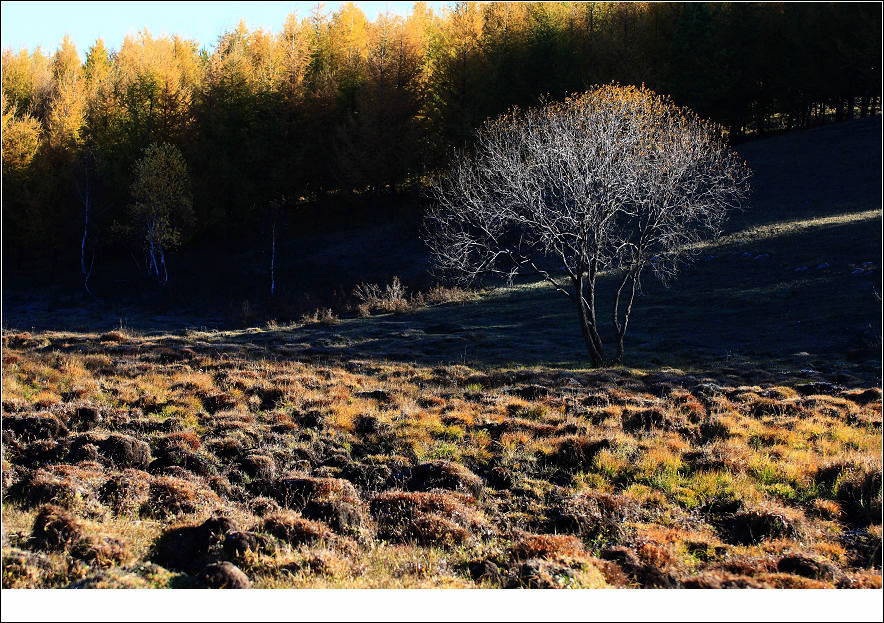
<point>334,105</point>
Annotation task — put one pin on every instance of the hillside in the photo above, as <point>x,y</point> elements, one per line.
<point>798,271</point>
<point>468,444</point>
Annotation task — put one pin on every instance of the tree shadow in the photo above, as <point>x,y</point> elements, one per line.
<point>800,273</point>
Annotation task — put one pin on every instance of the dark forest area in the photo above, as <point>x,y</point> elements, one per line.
<point>269,148</point>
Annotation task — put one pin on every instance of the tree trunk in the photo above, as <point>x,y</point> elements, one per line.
<point>273,261</point>
<point>590,334</point>
<point>597,358</point>
<point>590,300</point>
<point>83,270</point>
<point>620,327</point>
<point>163,263</point>
<point>152,250</point>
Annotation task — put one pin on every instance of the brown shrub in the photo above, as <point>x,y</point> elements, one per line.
<point>743,564</point>
<point>785,580</point>
<point>169,496</point>
<point>548,546</point>
<point>861,579</point>
<point>102,551</point>
<point>222,575</point>
<point>114,577</point>
<point>425,518</point>
<point>38,453</point>
<point>755,406</point>
<point>293,529</point>
<point>431,529</point>
<point>662,556</point>
<point>753,525</point>
<point>644,575</point>
<point>593,514</point>
<point>262,506</point>
<point>33,427</point>
<point>23,569</point>
<point>70,486</point>
<point>296,491</point>
<point>860,495</point>
<point>722,579</point>
<point>55,529</point>
<point>857,486</point>
<point>115,336</point>
<point>125,493</point>
<point>186,439</point>
<point>613,573</point>
<point>445,475</point>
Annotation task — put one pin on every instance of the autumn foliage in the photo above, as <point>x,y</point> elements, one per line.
<point>335,105</point>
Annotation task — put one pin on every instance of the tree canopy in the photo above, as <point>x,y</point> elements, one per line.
<point>334,104</point>
<point>160,215</point>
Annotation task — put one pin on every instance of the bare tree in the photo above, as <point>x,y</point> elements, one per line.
<point>615,179</point>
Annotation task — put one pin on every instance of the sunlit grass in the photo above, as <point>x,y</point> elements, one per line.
<point>669,476</point>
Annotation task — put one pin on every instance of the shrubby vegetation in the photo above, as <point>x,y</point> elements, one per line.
<point>394,297</point>
<point>333,105</point>
<point>251,470</point>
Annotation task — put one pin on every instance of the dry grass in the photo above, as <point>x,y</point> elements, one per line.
<point>376,474</point>
<point>394,297</point>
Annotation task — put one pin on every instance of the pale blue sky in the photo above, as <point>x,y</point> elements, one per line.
<point>29,24</point>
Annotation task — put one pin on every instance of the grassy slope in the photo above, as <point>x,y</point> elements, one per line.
<point>645,476</point>
<point>816,203</point>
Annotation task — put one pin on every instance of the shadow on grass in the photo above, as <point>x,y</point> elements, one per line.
<point>797,299</point>
<point>802,290</point>
<point>797,279</point>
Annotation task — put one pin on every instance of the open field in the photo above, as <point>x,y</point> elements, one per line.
<point>133,464</point>
<point>467,444</point>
